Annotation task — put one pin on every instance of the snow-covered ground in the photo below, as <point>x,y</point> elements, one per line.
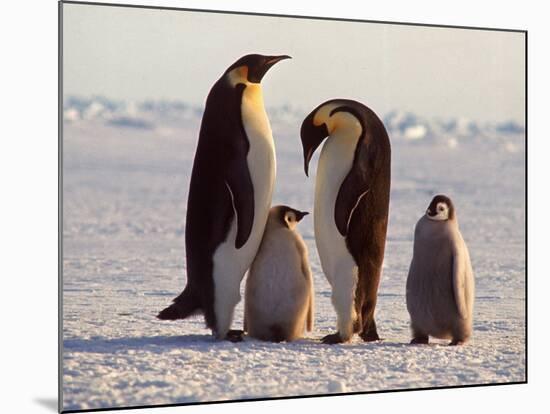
<point>125,181</point>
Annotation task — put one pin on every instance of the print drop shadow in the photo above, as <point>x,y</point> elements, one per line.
<point>48,403</point>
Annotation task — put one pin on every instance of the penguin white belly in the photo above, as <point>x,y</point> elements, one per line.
<point>340,269</point>
<point>335,162</point>
<point>230,264</point>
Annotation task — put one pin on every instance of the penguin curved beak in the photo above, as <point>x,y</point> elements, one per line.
<point>312,136</point>
<point>271,60</point>
<point>257,72</point>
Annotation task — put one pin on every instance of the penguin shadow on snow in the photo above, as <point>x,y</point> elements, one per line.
<point>193,342</point>
<point>157,344</point>
<point>314,343</point>
<point>204,343</point>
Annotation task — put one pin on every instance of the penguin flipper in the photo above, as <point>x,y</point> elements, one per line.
<point>353,189</point>
<point>309,320</point>
<point>306,272</point>
<point>372,157</point>
<point>237,175</point>
<point>460,278</point>
<point>239,185</point>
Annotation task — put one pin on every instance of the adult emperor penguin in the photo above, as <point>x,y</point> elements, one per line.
<point>229,195</point>
<point>278,302</point>
<point>440,285</point>
<point>352,193</point>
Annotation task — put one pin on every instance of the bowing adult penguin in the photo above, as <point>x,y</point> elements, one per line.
<point>352,194</point>
<point>229,195</point>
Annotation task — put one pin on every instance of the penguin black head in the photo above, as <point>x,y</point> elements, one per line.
<point>253,67</point>
<point>288,216</point>
<point>312,135</point>
<point>441,208</point>
<point>324,119</point>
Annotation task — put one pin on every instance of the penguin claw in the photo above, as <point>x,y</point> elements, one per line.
<point>456,342</point>
<point>332,339</point>
<point>419,341</point>
<point>234,335</point>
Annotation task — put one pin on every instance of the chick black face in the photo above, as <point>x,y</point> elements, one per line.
<point>441,208</point>
<point>289,216</point>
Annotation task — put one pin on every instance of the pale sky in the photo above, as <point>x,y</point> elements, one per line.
<point>135,54</point>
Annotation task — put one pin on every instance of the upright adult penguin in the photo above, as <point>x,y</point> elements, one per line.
<point>229,195</point>
<point>352,194</point>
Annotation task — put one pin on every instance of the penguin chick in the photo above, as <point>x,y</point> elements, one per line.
<point>440,284</point>
<point>279,288</point>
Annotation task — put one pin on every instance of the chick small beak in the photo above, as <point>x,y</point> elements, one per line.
<point>300,215</point>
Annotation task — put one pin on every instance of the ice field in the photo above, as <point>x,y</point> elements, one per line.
<point>125,179</point>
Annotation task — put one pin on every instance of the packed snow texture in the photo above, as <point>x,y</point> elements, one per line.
<point>126,170</point>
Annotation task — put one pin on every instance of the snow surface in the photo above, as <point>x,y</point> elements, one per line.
<point>125,179</point>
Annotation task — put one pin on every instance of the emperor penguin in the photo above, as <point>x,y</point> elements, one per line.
<point>278,303</point>
<point>352,192</point>
<point>229,195</point>
<point>440,284</point>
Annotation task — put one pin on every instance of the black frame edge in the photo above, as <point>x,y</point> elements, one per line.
<point>60,207</point>
<point>60,202</point>
<point>447,387</point>
<point>264,14</point>
<point>526,206</point>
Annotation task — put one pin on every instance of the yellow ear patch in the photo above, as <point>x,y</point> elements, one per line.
<point>322,116</point>
<point>243,72</point>
<point>238,75</point>
<point>290,219</point>
<point>340,120</point>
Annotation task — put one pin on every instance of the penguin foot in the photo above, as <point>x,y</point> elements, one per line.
<point>370,336</point>
<point>234,335</point>
<point>420,340</point>
<point>332,339</point>
<point>456,342</point>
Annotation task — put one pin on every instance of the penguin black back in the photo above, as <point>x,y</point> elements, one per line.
<point>209,205</point>
<point>362,204</point>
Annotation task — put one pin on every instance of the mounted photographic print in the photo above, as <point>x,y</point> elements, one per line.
<point>264,206</point>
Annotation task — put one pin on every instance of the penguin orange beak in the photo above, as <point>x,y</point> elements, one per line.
<point>312,136</point>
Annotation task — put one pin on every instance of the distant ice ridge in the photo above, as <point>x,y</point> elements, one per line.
<point>127,114</point>
<point>151,114</point>
<point>411,127</point>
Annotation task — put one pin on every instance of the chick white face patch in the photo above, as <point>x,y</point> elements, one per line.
<point>290,219</point>
<point>441,212</point>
